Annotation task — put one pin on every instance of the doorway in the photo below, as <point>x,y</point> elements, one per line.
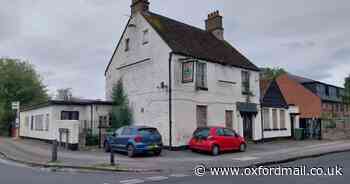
<point>229,119</point>
<point>202,116</point>
<point>248,126</point>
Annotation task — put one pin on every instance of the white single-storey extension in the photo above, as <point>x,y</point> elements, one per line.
<point>44,121</point>
<point>279,119</point>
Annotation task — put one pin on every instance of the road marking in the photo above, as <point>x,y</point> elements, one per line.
<point>157,178</point>
<point>178,175</point>
<point>132,181</point>
<point>245,158</point>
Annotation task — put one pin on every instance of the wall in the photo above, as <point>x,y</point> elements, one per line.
<point>278,132</point>
<point>150,102</point>
<point>55,117</point>
<point>25,130</point>
<point>142,81</point>
<point>219,98</point>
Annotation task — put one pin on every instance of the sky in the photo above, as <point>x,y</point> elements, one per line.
<point>70,42</point>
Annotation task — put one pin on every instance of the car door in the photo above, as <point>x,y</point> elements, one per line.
<point>221,139</point>
<point>123,140</point>
<point>114,139</point>
<point>232,142</point>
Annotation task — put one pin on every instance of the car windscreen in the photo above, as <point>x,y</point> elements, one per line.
<point>148,131</point>
<point>201,133</point>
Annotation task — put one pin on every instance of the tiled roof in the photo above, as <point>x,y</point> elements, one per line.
<point>194,42</point>
<point>294,93</point>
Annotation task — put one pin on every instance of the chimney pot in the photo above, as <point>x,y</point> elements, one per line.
<point>139,6</point>
<point>214,24</point>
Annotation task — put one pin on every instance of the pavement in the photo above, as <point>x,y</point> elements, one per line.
<point>18,174</point>
<point>179,163</point>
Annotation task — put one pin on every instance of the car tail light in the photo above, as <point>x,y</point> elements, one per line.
<point>138,139</point>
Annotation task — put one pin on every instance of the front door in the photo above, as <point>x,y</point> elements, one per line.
<point>248,126</point>
<point>229,119</point>
<point>292,121</point>
<point>202,116</point>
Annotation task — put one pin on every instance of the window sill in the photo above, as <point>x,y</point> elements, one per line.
<point>276,129</point>
<point>202,89</point>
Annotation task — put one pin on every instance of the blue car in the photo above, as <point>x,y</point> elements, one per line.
<point>135,140</point>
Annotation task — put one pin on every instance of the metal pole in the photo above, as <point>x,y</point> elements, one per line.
<point>112,158</point>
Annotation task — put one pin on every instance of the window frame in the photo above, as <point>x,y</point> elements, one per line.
<point>201,76</point>
<point>145,37</point>
<point>245,77</point>
<point>127,44</point>
<point>70,115</point>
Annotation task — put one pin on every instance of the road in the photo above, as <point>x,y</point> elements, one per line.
<point>18,174</point>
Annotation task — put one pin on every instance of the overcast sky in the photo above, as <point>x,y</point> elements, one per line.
<point>71,41</point>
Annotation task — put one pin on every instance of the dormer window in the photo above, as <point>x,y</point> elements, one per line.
<point>127,44</point>
<point>145,38</point>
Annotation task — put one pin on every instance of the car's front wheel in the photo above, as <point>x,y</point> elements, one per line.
<point>215,151</point>
<point>131,151</point>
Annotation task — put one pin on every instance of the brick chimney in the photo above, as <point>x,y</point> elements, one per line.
<point>139,6</point>
<point>214,25</point>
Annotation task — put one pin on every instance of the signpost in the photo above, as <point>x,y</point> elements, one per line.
<point>16,107</point>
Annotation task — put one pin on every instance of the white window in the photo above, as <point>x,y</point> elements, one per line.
<point>127,44</point>
<point>274,119</point>
<point>201,76</point>
<point>283,119</point>
<point>39,122</point>
<point>266,118</point>
<point>145,38</point>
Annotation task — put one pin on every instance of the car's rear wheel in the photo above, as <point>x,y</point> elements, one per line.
<point>107,147</point>
<point>215,151</point>
<point>242,147</point>
<point>131,151</point>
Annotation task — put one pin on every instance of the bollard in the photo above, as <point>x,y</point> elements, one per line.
<point>112,158</point>
<point>54,151</point>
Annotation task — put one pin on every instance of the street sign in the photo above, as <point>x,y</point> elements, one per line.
<point>15,105</point>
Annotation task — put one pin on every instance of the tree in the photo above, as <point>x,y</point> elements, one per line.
<point>121,112</point>
<point>19,81</point>
<point>346,97</point>
<point>271,73</point>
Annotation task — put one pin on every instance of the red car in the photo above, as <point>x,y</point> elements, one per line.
<point>216,140</point>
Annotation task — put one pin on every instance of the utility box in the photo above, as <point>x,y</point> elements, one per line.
<point>299,134</point>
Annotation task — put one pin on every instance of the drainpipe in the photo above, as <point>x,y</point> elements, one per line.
<point>92,116</point>
<point>170,103</point>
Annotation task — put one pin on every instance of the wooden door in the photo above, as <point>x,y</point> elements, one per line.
<point>229,119</point>
<point>202,116</point>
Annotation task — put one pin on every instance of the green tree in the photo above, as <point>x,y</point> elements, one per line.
<point>121,112</point>
<point>271,73</point>
<point>346,96</point>
<point>19,81</point>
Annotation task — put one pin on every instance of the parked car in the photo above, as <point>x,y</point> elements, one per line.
<point>216,140</point>
<point>135,140</point>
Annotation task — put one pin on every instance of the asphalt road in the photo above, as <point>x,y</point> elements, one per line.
<point>11,173</point>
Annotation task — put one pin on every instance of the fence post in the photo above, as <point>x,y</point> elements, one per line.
<point>54,150</point>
